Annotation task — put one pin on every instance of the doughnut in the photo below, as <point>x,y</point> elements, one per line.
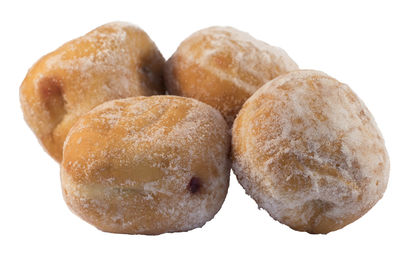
<point>116,60</point>
<point>222,67</point>
<point>308,151</point>
<point>147,165</point>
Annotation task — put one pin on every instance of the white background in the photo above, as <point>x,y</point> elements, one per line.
<point>355,42</point>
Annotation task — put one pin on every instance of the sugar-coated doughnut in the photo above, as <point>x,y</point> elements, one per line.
<point>116,60</point>
<point>307,149</point>
<point>147,165</point>
<point>222,67</point>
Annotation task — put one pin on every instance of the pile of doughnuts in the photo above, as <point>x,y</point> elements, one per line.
<point>146,145</point>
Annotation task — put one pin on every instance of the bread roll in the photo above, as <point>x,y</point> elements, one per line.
<point>116,60</point>
<point>147,165</point>
<point>307,149</point>
<point>222,67</point>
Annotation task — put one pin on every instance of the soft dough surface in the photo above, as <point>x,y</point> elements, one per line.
<point>147,165</point>
<point>222,67</point>
<point>307,149</point>
<point>116,60</point>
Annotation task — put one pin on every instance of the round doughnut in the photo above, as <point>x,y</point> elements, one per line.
<point>308,151</point>
<point>147,165</point>
<point>116,60</point>
<point>222,67</point>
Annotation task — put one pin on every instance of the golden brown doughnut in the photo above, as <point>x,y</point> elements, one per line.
<point>307,149</point>
<point>222,67</point>
<point>116,60</point>
<point>147,165</point>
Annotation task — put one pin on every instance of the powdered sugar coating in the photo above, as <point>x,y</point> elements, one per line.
<point>128,165</point>
<point>116,60</point>
<point>223,66</point>
<point>308,151</point>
